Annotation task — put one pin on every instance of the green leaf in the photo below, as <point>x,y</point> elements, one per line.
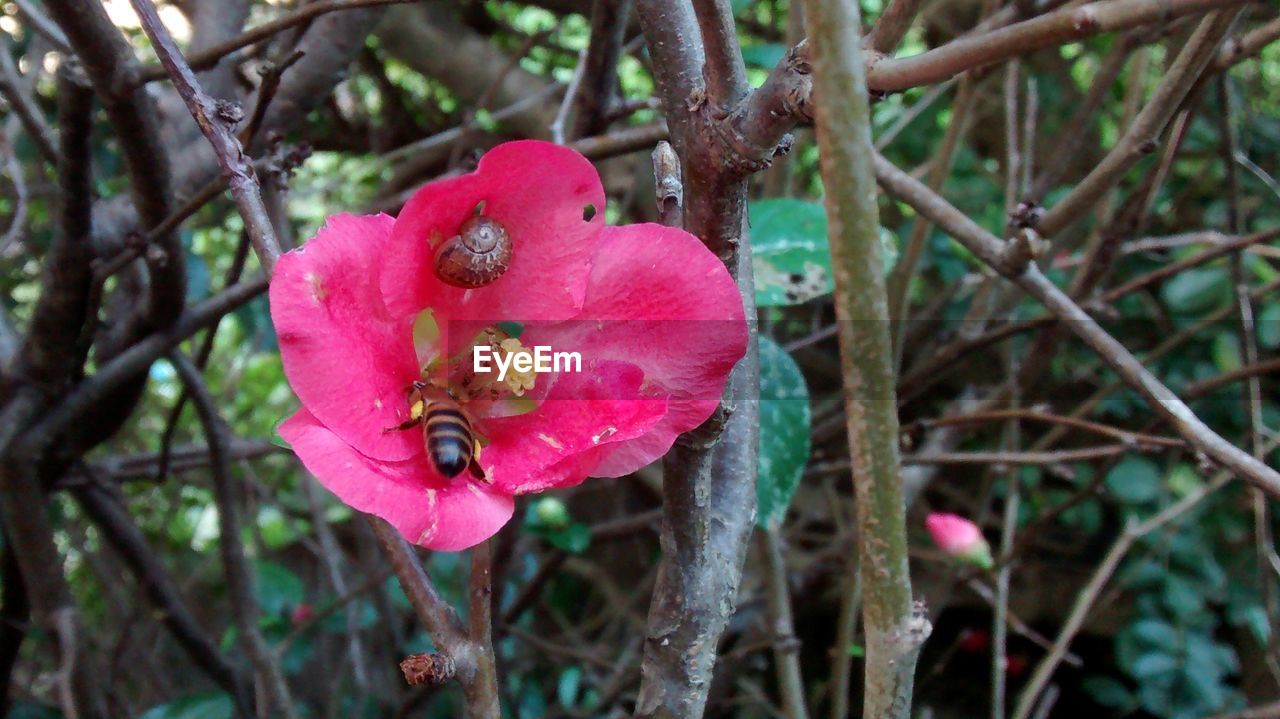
<point>857,651</point>
<point>1152,664</point>
<point>1196,290</point>
<point>212,705</point>
<point>276,439</point>
<point>23,710</point>
<point>197,277</point>
<point>1269,326</point>
<point>1253,617</point>
<point>790,256</point>
<point>567,687</point>
<point>1134,481</point>
<point>279,589</point>
<point>485,120</point>
<point>784,432</point>
<point>1182,597</point>
<point>550,519</point>
<point>765,56</point>
<point>573,539</point>
<point>1155,633</point>
<point>1108,692</point>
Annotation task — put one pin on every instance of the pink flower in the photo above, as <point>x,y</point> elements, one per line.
<point>362,315</point>
<point>959,538</point>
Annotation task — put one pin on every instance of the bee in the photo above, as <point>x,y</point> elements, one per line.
<point>446,430</point>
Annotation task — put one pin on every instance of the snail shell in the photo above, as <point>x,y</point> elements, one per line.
<point>476,256</point>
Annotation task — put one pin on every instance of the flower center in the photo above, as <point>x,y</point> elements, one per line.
<point>489,371</point>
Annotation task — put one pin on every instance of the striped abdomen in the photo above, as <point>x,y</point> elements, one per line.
<point>449,438</point>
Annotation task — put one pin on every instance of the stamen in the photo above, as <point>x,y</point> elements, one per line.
<point>518,382</point>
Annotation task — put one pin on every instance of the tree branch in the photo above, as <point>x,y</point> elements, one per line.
<point>892,25</point>
<point>598,91</point>
<point>1026,275</point>
<point>215,121</point>
<point>895,629</point>
<point>1140,137</point>
<point>12,88</point>
<point>1056,28</point>
<point>108,61</point>
<point>208,57</point>
<point>133,362</point>
<point>106,511</point>
<point>244,604</point>
<point>708,481</point>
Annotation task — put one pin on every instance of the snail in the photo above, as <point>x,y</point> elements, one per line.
<point>476,256</point>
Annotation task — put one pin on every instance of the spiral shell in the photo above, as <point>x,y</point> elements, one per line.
<point>476,256</point>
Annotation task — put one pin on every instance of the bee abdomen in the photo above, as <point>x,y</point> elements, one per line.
<point>449,440</point>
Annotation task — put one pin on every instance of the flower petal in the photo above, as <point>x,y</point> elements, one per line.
<point>348,362</point>
<point>560,443</point>
<point>443,515</point>
<point>658,299</point>
<point>538,191</point>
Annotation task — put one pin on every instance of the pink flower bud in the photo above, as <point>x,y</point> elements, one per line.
<point>959,538</point>
<point>301,614</point>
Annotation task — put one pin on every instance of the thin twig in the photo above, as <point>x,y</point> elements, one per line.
<point>1013,262</point>
<point>210,56</point>
<point>1048,30</point>
<point>482,696</point>
<point>215,122</point>
<point>1033,415</point>
<point>570,95</point>
<point>13,88</point>
<point>107,511</point>
<point>244,603</point>
<point>1140,137</point>
<point>786,646</point>
<point>130,363</point>
<point>1093,589</point>
<point>18,220</point>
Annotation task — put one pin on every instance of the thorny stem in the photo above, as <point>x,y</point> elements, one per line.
<point>894,629</point>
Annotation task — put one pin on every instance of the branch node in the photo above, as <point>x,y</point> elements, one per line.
<point>739,155</point>
<point>1020,251</point>
<point>1026,215</point>
<point>708,433</point>
<point>228,111</point>
<point>697,99</point>
<point>429,669</point>
<point>668,188</point>
<point>156,255</point>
